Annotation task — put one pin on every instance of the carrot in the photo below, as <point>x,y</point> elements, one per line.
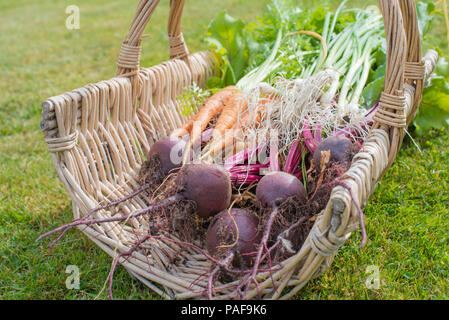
<point>234,107</point>
<point>229,136</point>
<point>199,122</point>
<point>223,140</point>
<point>213,106</point>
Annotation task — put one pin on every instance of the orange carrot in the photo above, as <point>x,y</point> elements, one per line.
<point>224,140</point>
<point>213,106</point>
<point>229,136</point>
<point>234,107</point>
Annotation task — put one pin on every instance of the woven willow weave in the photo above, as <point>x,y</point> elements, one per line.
<point>98,136</point>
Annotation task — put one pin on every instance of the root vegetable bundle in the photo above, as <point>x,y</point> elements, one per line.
<point>242,181</point>
<point>245,232</point>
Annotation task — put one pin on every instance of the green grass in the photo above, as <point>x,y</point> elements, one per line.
<point>407,217</point>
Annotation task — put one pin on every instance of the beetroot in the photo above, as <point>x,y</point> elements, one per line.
<point>164,158</point>
<point>208,185</point>
<point>341,149</point>
<point>271,192</point>
<point>337,152</point>
<point>169,152</point>
<point>232,239</point>
<point>276,187</point>
<point>223,232</point>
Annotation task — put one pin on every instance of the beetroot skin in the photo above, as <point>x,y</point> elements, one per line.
<point>169,151</point>
<point>342,150</point>
<point>276,187</point>
<point>208,185</point>
<point>222,232</point>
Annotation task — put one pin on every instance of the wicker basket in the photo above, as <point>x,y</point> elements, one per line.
<point>98,136</point>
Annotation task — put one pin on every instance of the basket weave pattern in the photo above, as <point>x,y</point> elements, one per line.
<point>98,136</point>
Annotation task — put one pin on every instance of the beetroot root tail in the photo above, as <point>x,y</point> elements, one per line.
<point>262,246</point>
<point>87,222</point>
<point>119,201</point>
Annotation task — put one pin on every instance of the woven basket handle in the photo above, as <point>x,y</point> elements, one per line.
<point>405,73</point>
<point>404,69</point>
<point>129,57</point>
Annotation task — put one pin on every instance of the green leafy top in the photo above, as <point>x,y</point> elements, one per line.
<point>241,47</point>
<point>227,38</point>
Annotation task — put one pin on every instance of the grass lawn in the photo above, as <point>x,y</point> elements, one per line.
<point>407,218</point>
